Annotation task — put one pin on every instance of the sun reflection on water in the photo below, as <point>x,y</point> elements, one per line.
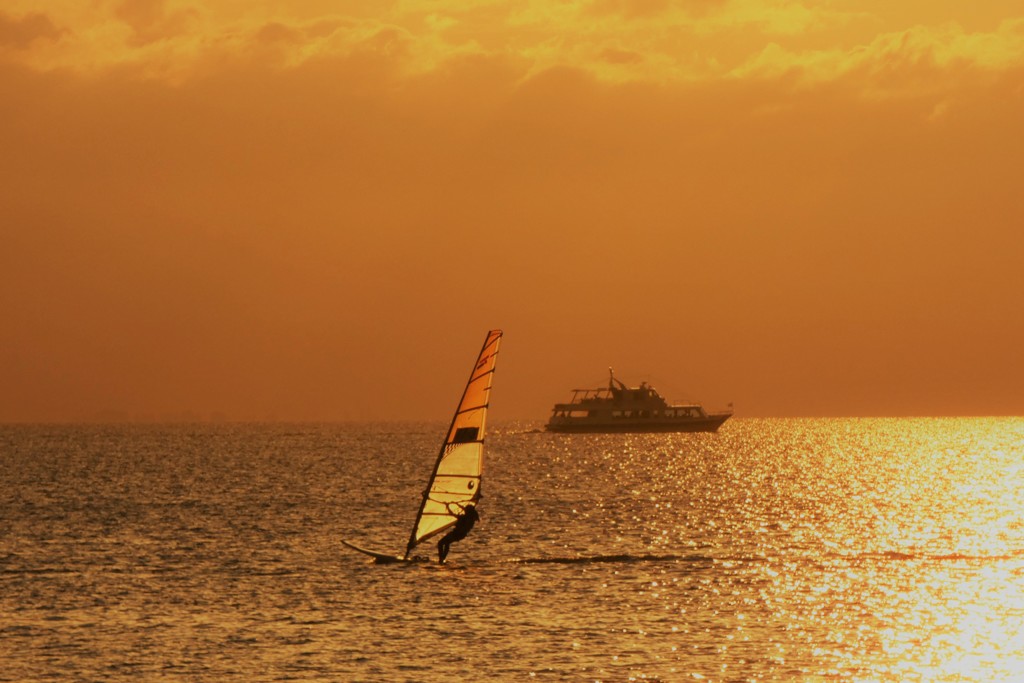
<point>886,549</point>
<point>922,574</point>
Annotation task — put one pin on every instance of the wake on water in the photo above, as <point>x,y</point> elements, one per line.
<point>576,559</point>
<point>621,558</point>
<point>626,558</point>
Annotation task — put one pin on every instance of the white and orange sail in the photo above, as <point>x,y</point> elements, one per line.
<point>455,480</point>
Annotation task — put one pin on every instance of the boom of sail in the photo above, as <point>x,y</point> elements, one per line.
<point>455,481</point>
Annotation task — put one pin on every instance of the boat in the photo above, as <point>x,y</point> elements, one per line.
<point>457,474</point>
<point>618,408</point>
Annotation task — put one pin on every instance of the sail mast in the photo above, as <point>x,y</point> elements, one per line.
<point>455,480</point>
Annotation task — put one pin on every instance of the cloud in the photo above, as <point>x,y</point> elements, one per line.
<point>909,62</point>
<point>783,18</point>
<point>20,33</point>
<point>615,56</point>
<point>630,9</point>
<point>151,21</point>
<point>621,41</point>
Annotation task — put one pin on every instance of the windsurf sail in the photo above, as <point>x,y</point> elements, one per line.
<point>455,481</point>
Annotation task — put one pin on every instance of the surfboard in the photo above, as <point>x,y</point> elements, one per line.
<point>379,558</point>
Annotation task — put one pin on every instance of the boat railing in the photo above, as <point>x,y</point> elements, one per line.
<point>580,395</point>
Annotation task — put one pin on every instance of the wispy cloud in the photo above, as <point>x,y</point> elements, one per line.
<point>23,31</point>
<point>618,40</point>
<point>914,61</point>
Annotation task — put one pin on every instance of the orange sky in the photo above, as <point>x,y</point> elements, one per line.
<point>315,210</point>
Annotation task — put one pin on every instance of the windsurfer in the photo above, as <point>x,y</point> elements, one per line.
<point>464,521</point>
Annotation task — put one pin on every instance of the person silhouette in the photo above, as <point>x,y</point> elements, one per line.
<point>464,521</point>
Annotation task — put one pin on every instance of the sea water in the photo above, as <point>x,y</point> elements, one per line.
<point>838,549</point>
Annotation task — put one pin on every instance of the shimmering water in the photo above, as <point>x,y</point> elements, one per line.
<point>874,550</point>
